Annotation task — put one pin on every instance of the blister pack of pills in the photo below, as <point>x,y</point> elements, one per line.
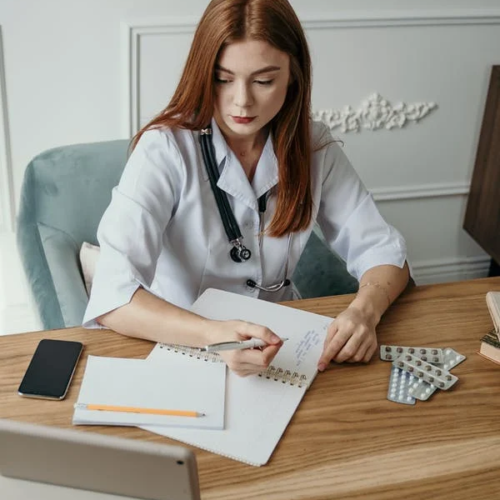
<point>419,372</point>
<point>399,386</point>
<point>451,358</point>
<point>429,354</point>
<point>427,372</point>
<point>422,390</point>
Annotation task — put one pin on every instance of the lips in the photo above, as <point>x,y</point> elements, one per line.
<point>243,120</point>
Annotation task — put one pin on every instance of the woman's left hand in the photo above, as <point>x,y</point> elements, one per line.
<point>351,337</point>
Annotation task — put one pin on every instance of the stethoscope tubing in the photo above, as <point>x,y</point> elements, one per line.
<point>229,222</point>
<point>231,227</point>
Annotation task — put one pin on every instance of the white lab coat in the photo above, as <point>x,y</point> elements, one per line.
<point>162,229</point>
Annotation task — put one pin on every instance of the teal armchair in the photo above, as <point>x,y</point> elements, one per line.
<point>64,194</point>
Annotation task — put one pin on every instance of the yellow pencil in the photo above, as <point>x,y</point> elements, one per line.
<point>131,409</point>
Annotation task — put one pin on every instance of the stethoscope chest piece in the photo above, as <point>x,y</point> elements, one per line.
<point>240,253</point>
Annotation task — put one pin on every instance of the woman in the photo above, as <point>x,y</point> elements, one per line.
<point>242,109</point>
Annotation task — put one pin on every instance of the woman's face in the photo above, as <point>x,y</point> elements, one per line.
<point>251,81</point>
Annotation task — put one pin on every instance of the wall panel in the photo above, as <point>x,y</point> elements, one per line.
<point>6,189</point>
<point>364,65</point>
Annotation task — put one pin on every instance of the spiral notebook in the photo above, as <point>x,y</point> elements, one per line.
<point>258,408</point>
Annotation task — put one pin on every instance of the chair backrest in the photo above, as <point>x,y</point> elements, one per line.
<point>64,194</point>
<point>321,272</point>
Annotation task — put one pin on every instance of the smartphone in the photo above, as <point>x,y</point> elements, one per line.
<point>51,369</point>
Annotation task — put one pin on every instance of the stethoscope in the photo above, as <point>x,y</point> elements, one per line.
<point>239,252</point>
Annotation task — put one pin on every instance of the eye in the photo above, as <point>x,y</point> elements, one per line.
<point>264,82</point>
<point>221,80</point>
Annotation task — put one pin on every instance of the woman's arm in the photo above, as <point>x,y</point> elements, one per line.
<point>151,318</point>
<point>352,336</point>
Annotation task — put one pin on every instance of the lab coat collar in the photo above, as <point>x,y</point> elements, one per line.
<point>233,179</point>
<point>220,146</point>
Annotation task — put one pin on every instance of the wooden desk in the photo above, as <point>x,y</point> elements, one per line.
<point>346,440</point>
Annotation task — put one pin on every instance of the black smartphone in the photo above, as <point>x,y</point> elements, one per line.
<point>51,369</point>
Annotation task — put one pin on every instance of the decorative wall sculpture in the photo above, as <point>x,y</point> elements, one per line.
<point>374,113</point>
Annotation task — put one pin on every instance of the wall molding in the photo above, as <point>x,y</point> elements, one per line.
<point>452,269</point>
<point>133,30</point>
<point>7,210</point>
<point>431,190</point>
<point>398,18</point>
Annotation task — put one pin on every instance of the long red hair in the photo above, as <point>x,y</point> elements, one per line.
<point>192,105</point>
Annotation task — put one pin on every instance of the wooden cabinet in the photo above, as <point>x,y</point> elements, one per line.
<point>482,217</point>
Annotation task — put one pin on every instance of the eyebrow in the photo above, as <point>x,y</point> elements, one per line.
<point>267,69</point>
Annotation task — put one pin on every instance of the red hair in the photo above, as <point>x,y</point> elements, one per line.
<point>192,105</point>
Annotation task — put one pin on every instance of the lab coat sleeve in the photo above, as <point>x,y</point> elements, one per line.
<point>131,230</point>
<point>350,221</point>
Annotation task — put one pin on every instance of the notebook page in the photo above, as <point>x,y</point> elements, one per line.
<point>258,409</point>
<point>305,331</point>
<point>173,384</point>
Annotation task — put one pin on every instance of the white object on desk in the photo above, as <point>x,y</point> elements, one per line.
<point>258,408</point>
<point>174,384</point>
<point>493,303</point>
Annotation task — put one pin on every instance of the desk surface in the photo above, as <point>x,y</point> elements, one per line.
<point>346,440</point>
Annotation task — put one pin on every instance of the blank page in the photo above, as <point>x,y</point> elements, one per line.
<point>174,384</point>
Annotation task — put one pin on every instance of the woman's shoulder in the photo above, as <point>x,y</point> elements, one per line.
<point>167,145</point>
<point>170,137</point>
<point>318,129</point>
<point>322,138</point>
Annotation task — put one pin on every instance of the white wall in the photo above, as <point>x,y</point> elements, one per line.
<point>67,67</point>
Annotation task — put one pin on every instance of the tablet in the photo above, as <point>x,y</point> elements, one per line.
<point>93,462</point>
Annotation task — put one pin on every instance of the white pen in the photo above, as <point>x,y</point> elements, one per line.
<point>235,345</point>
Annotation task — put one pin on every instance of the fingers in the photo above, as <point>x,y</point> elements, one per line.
<point>259,332</point>
<point>354,349</point>
<point>258,357</point>
<point>341,345</point>
<point>251,361</point>
<point>348,341</point>
<point>370,352</point>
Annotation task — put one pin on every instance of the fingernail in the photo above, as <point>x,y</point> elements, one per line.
<point>276,339</point>
<point>321,367</point>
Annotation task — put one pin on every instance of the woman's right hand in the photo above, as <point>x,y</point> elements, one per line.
<point>245,362</point>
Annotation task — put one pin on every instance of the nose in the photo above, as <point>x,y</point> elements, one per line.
<point>242,96</point>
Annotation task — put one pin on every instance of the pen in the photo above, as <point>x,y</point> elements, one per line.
<point>235,345</point>
<point>131,409</point>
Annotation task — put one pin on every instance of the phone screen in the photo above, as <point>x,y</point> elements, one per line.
<point>51,369</point>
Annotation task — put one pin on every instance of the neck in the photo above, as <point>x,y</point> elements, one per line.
<point>244,145</point>
<point>247,146</point>
<point>248,151</point>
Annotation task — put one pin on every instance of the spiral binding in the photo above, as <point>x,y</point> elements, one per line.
<point>193,352</point>
<point>284,376</point>
<point>272,373</point>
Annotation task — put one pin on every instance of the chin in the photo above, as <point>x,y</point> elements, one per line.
<point>249,129</point>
